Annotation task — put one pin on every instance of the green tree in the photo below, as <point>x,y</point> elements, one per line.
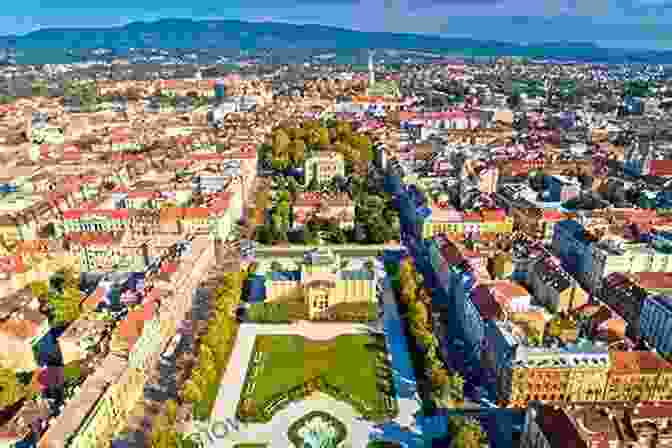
<point>39,88</point>
<point>65,308</point>
<point>40,289</point>
<point>11,389</point>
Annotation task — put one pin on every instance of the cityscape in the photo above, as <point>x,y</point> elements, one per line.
<point>366,246</point>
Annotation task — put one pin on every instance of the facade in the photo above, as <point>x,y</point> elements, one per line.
<point>321,284</point>
<point>625,298</point>
<point>554,287</point>
<point>656,323</point>
<point>638,376</point>
<point>563,188</point>
<point>324,166</point>
<point>574,247</point>
<point>552,375</point>
<point>487,224</point>
<point>331,207</point>
<point>601,424</point>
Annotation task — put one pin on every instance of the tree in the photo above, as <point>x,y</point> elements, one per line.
<point>40,289</point>
<point>11,390</point>
<point>65,308</point>
<point>418,313</point>
<point>192,392</point>
<point>407,281</point>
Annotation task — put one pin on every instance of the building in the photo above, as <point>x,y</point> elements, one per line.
<point>339,208</point>
<point>638,376</point>
<point>535,222</point>
<point>656,323</point>
<point>553,375</point>
<point>563,188</point>
<point>600,424</point>
<point>456,225</point>
<point>554,287</point>
<point>22,327</point>
<point>574,246</point>
<point>324,166</point>
<point>625,298</point>
<point>321,284</point>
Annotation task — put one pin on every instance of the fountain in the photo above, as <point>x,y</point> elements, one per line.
<point>318,433</point>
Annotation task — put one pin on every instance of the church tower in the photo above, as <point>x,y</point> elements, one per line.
<point>372,74</point>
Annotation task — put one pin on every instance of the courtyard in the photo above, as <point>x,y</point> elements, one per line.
<point>286,368</point>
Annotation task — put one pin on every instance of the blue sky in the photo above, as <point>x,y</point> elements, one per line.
<point>609,23</point>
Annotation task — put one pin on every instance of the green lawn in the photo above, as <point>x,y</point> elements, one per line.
<point>346,362</point>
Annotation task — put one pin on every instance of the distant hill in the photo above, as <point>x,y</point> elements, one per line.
<point>191,34</point>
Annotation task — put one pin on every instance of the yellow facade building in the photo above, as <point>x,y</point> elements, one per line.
<point>321,283</point>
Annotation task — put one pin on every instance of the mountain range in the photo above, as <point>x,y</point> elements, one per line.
<point>204,34</point>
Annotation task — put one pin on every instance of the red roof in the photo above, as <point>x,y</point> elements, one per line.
<point>660,168</point>
<point>553,215</point>
<point>473,217</point>
<point>143,194</point>
<point>169,267</point>
<point>208,157</point>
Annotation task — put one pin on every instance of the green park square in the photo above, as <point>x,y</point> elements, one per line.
<point>347,362</point>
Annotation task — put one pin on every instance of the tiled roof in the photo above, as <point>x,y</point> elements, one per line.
<point>638,360</point>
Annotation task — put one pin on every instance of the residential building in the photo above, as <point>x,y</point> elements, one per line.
<point>338,207</point>
<point>553,375</point>
<point>625,298</point>
<point>22,328</point>
<point>599,424</point>
<point>656,322</point>
<point>321,284</point>
<point>638,376</point>
<point>563,188</point>
<point>574,246</point>
<point>554,287</point>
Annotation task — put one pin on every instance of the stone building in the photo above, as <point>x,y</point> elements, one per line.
<point>638,376</point>
<point>600,424</point>
<point>336,207</point>
<point>321,283</point>
<point>551,375</point>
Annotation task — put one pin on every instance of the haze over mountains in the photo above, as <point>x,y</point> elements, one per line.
<point>191,34</point>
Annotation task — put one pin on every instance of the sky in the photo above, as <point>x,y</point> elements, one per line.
<point>631,24</point>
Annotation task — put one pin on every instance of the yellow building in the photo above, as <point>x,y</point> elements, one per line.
<point>547,375</point>
<point>638,376</point>
<point>321,284</point>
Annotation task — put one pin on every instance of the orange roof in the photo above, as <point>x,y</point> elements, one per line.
<point>637,360</point>
<point>651,280</point>
<point>131,329</point>
<point>509,289</point>
<point>196,212</point>
<point>20,328</point>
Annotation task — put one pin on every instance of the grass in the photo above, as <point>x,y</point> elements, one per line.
<point>347,362</point>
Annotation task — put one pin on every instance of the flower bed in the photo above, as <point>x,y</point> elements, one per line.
<point>296,427</point>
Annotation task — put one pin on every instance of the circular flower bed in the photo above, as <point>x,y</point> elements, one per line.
<point>314,426</point>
